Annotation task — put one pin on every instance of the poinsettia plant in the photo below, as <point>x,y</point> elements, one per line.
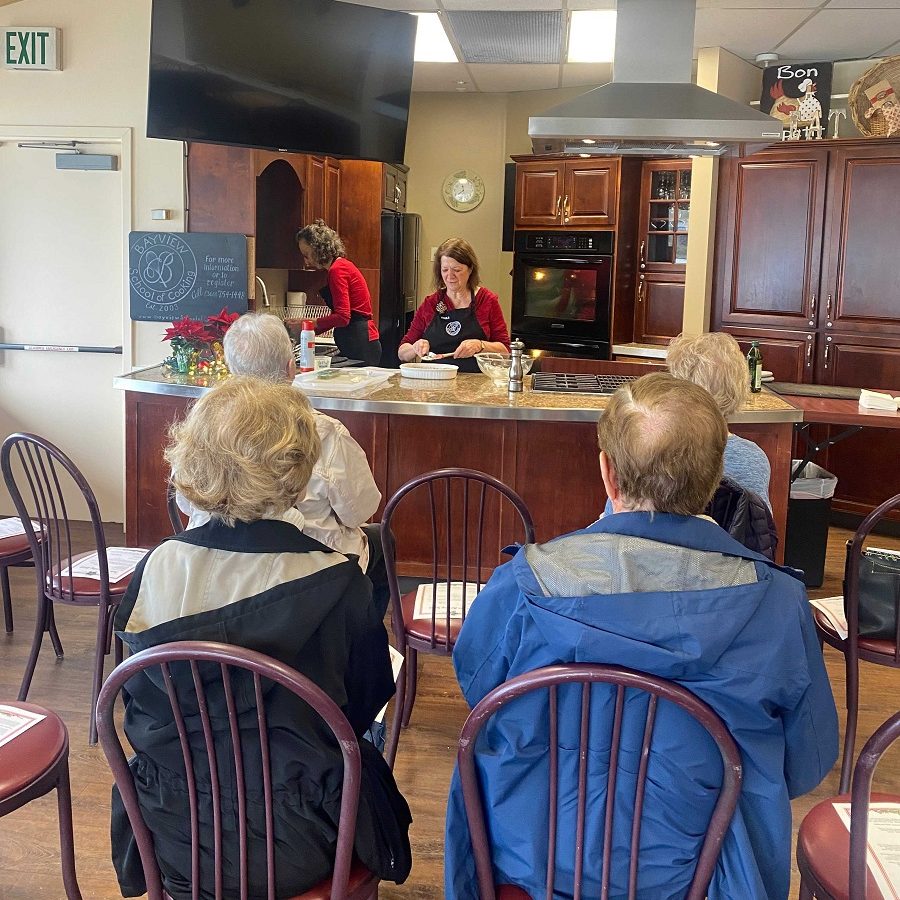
<point>221,322</point>
<point>188,332</point>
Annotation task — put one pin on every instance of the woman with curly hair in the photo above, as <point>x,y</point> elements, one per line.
<point>345,292</point>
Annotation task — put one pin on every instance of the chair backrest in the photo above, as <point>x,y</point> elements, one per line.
<point>550,679</point>
<point>43,470</point>
<point>172,509</point>
<point>227,658</point>
<point>468,517</point>
<point>860,793</point>
<point>855,548</point>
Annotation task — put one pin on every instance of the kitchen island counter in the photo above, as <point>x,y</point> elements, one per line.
<point>543,445</point>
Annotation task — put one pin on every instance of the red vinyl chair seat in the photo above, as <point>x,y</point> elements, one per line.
<point>823,844</point>
<point>886,648</point>
<point>87,588</point>
<point>14,545</point>
<point>360,886</point>
<point>31,755</point>
<point>420,629</point>
<point>511,892</point>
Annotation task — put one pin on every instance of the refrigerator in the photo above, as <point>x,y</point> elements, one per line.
<point>399,287</point>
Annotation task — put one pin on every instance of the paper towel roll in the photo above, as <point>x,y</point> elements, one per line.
<point>296,298</point>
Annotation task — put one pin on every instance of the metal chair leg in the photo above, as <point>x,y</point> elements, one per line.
<point>99,659</point>
<point>40,621</point>
<point>393,740</point>
<point>412,665</point>
<point>54,634</point>
<point>66,834</point>
<point>7,600</point>
<point>852,682</point>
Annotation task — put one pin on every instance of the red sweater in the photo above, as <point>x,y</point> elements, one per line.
<point>349,293</point>
<point>487,311</point>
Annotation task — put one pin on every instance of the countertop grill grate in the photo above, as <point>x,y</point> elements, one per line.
<point>566,383</point>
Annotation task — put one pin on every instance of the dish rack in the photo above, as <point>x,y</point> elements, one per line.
<point>306,312</point>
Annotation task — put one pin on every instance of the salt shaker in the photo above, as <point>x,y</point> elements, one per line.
<point>515,367</point>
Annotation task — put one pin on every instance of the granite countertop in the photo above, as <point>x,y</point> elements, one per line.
<point>466,396</point>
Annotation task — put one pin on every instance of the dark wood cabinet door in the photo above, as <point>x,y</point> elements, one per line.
<point>280,203</point>
<point>862,284</point>
<point>590,190</point>
<point>859,361</point>
<point>223,190</point>
<point>659,310</point>
<point>332,193</point>
<point>539,194</point>
<point>769,238</point>
<point>401,182</point>
<point>315,189</point>
<point>788,355</point>
<point>393,189</point>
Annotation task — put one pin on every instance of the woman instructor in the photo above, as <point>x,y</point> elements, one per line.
<point>460,318</point>
<point>345,292</point>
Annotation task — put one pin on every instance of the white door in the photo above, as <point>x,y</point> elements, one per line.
<point>61,282</point>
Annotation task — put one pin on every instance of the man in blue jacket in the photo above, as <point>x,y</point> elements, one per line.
<point>660,588</point>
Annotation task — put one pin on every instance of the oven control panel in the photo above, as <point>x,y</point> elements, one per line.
<point>592,242</point>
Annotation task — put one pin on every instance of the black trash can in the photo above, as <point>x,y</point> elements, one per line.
<point>809,509</point>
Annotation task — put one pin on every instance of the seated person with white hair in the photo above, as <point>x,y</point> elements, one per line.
<point>659,588</point>
<point>342,495</point>
<point>252,576</point>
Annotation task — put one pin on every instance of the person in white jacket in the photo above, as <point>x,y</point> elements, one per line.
<point>342,495</point>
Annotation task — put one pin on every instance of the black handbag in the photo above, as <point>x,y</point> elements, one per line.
<point>879,594</point>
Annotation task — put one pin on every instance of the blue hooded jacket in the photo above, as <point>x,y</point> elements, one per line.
<point>676,597</point>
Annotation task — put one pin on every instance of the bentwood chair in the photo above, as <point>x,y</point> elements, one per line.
<point>854,647</point>
<point>592,777</point>
<point>459,519</point>
<point>32,764</point>
<point>43,469</point>
<point>225,671</point>
<point>832,862</point>
<point>14,551</point>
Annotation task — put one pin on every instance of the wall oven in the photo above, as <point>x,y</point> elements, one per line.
<point>562,289</point>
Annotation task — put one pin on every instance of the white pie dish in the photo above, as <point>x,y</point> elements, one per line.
<point>429,371</point>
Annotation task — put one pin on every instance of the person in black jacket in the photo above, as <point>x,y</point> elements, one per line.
<point>252,578</point>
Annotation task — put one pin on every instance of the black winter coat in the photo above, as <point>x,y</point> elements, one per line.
<point>745,516</point>
<point>268,587</point>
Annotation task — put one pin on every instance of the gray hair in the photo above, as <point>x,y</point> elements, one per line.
<point>258,344</point>
<point>325,242</point>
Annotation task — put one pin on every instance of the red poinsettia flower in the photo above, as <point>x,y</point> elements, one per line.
<point>189,331</point>
<point>221,322</point>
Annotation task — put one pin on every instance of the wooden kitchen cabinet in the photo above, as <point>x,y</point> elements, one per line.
<point>570,193</point>
<point>662,250</point>
<point>394,180</point>
<point>323,191</point>
<point>788,355</point>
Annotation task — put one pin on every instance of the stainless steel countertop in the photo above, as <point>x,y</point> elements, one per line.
<point>465,397</point>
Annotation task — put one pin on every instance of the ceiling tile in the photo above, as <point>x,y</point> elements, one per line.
<point>745,32</point>
<point>440,76</point>
<point>758,4</point>
<point>586,74</point>
<point>508,37</point>
<point>862,4</point>
<point>514,78</point>
<point>843,34</point>
<point>398,5</point>
<point>591,4</point>
<point>503,5</point>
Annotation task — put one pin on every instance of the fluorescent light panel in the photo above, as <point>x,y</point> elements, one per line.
<point>432,44</point>
<point>592,35</point>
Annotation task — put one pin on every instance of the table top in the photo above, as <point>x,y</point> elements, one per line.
<point>822,410</point>
<point>466,396</point>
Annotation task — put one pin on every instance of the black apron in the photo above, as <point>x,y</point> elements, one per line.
<point>353,339</point>
<point>449,329</point>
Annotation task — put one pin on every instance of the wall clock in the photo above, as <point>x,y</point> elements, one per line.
<point>463,190</point>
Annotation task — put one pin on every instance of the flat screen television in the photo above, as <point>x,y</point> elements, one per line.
<point>310,76</point>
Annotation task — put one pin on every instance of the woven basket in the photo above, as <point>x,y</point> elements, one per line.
<point>858,103</point>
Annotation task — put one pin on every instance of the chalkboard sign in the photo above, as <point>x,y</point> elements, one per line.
<point>175,274</point>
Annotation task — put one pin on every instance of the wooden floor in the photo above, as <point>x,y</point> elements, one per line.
<point>29,847</point>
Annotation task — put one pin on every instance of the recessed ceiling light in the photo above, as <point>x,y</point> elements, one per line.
<point>592,35</point>
<point>588,141</point>
<point>432,44</point>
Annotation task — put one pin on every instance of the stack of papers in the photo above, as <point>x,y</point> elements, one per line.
<point>877,400</point>
<point>425,598</point>
<point>121,561</point>
<point>883,844</point>
<point>833,610</point>
<point>14,721</point>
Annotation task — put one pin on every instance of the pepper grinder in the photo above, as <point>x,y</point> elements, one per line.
<point>516,376</point>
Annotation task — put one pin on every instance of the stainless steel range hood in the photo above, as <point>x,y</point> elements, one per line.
<point>651,107</point>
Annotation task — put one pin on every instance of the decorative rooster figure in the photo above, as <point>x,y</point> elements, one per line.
<point>786,110</point>
<point>810,112</point>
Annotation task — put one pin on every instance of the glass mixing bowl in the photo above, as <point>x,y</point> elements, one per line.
<point>496,366</point>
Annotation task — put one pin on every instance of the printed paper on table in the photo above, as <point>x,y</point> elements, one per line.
<point>121,561</point>
<point>14,721</point>
<point>14,526</point>
<point>883,855</point>
<point>833,610</point>
<point>425,593</point>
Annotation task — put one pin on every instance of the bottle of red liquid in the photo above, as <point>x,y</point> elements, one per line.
<point>307,346</point>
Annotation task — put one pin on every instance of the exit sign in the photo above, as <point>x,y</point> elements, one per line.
<point>28,47</point>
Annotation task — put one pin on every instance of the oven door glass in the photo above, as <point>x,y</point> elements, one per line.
<point>562,296</point>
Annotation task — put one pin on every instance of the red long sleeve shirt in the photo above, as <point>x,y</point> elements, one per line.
<point>349,294</point>
<point>487,311</point>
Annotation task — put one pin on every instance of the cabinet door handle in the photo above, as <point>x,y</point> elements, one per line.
<point>566,208</point>
<point>558,205</point>
<point>813,307</point>
<point>642,289</point>
<point>827,352</point>
<point>642,260</point>
<point>809,346</point>
<point>828,306</point>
